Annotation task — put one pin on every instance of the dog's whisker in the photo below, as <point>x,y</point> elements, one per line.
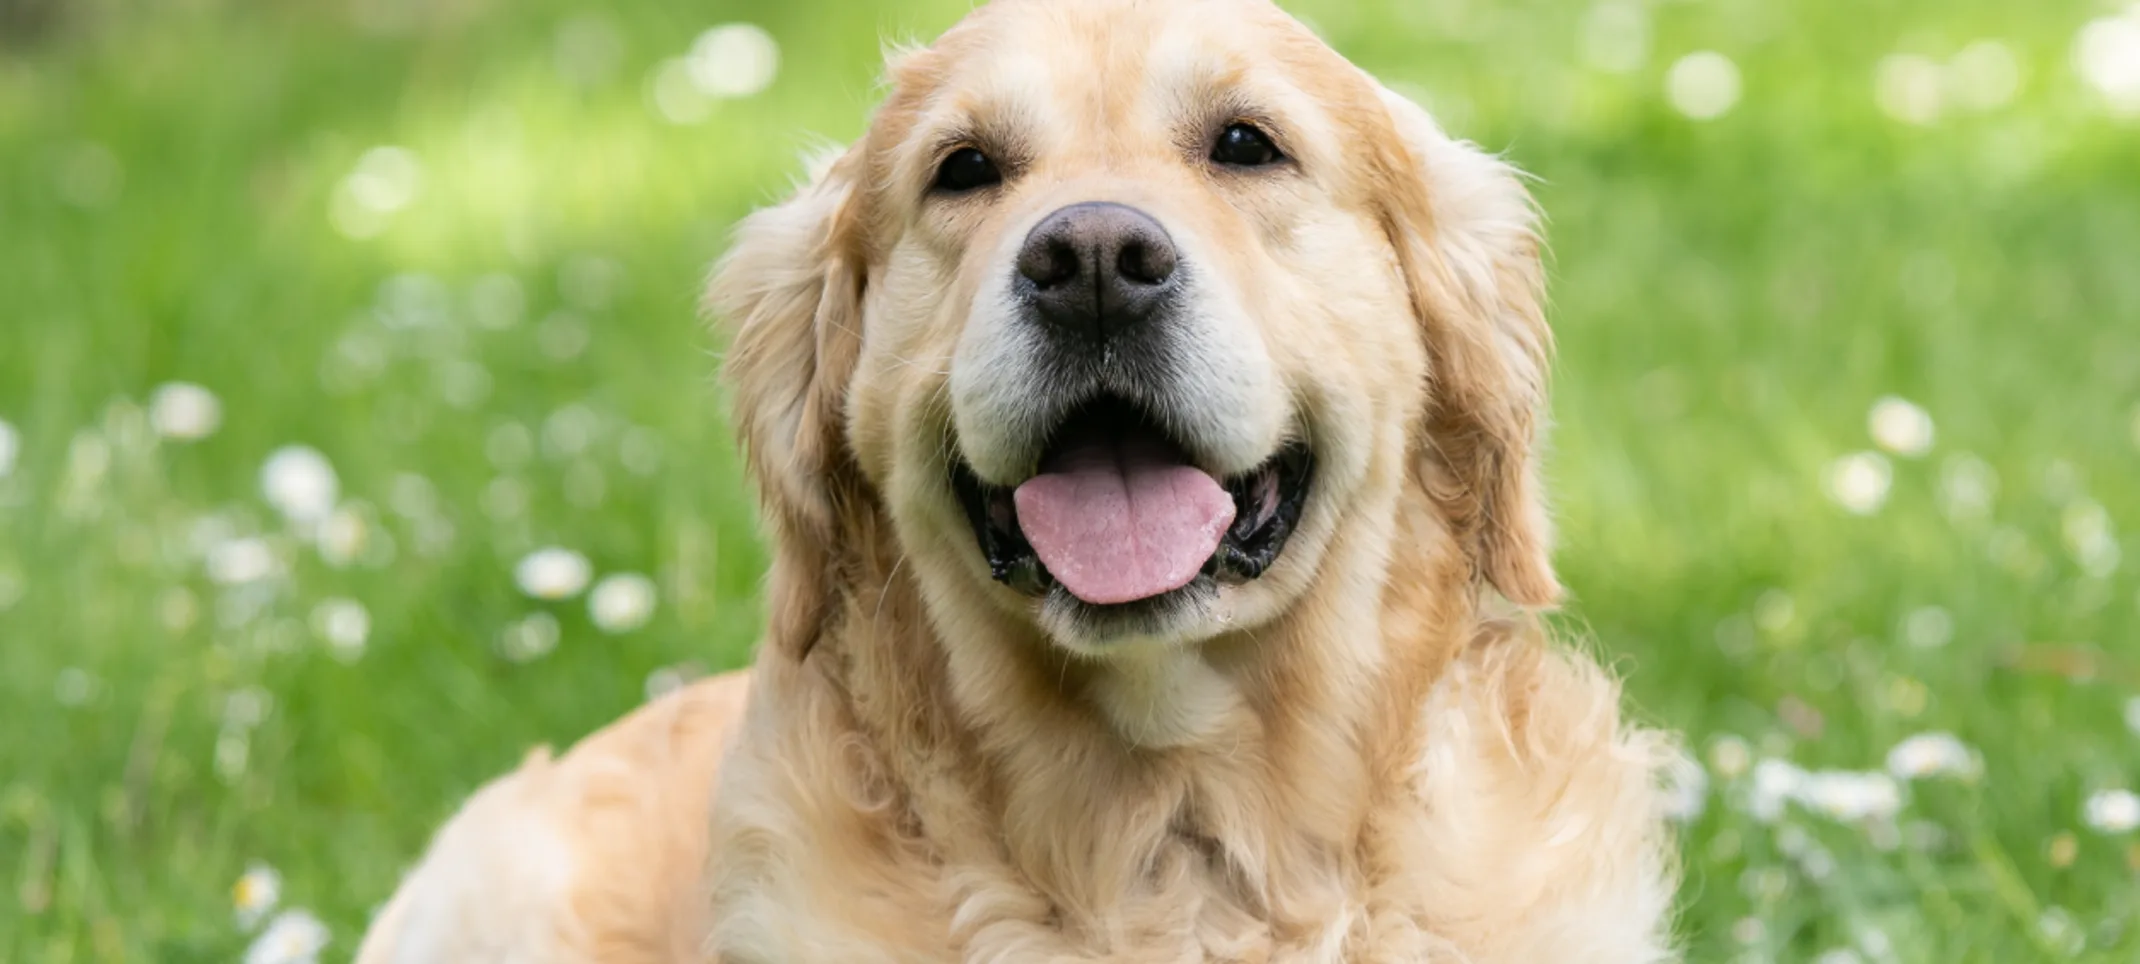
<point>941,369</point>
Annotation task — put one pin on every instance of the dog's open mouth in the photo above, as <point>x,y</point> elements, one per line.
<point>1118,513</point>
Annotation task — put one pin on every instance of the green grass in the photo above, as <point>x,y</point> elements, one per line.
<point>1732,296</point>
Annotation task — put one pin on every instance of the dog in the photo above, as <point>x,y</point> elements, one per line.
<point>1146,412</point>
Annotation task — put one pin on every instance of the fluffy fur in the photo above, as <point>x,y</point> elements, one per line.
<point>1371,754</point>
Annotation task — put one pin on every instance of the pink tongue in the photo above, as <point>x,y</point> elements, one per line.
<point>1118,520</point>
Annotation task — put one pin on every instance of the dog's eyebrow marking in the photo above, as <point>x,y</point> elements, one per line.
<point>952,139</point>
<point>1004,144</point>
<point>1215,99</point>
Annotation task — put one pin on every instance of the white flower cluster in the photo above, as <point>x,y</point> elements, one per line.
<point>292,936</point>
<point>619,603</point>
<point>1850,796</point>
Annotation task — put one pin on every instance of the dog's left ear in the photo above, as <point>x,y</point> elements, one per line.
<point>1466,234</point>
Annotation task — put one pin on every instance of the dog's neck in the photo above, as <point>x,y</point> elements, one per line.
<point>1255,758</point>
<point>1159,696</point>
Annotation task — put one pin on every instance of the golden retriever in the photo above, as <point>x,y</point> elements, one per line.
<point>1146,413</point>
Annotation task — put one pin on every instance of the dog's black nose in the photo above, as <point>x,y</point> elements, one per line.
<point>1096,269</point>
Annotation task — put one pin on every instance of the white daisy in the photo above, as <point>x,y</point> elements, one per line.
<point>242,561</point>
<point>344,625</point>
<point>300,483</point>
<point>529,639</point>
<point>2112,811</point>
<point>1900,426</point>
<point>255,894</point>
<point>733,60</point>
<point>1729,756</point>
<point>1930,755</point>
<point>2107,55</point>
<point>553,573</point>
<point>295,936</point>
<point>184,412</point>
<point>622,603</point>
<point>1776,783</point>
<point>1703,85</point>
<point>1859,482</point>
<point>1851,796</point>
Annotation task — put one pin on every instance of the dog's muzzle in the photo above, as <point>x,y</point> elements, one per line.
<point>1114,424</point>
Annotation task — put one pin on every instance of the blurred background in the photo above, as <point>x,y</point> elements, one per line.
<point>357,430</point>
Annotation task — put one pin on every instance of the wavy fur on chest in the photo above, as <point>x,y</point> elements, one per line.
<point>1478,801</point>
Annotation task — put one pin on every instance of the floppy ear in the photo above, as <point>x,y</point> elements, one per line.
<point>1467,240</point>
<point>790,287</point>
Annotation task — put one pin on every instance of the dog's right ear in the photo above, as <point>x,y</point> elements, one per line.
<point>790,288</point>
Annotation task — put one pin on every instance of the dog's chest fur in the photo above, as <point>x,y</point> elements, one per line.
<point>1523,830</point>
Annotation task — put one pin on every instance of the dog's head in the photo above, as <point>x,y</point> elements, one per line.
<point>1127,316</point>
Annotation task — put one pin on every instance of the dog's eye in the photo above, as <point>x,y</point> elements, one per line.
<point>1243,145</point>
<point>965,170</point>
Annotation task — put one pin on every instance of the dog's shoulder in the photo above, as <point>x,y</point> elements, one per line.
<point>596,855</point>
<point>1533,824</point>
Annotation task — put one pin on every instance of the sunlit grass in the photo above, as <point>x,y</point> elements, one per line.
<point>357,431</point>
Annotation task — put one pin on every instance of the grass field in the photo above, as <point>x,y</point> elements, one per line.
<point>452,248</point>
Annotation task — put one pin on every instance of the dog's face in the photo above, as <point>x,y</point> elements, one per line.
<point>1129,314</point>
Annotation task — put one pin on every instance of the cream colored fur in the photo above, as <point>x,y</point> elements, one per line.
<point>1373,754</point>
